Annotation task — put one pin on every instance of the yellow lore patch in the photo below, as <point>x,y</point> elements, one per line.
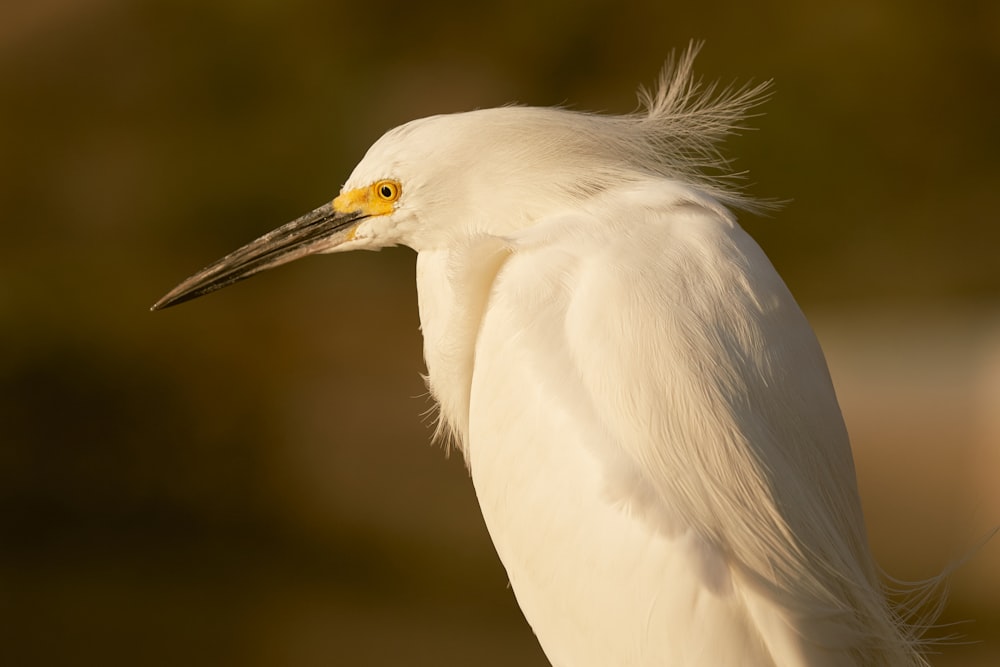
<point>379,198</point>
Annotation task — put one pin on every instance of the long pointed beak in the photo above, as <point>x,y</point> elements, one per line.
<point>317,231</point>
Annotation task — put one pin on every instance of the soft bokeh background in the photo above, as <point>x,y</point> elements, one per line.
<point>246,480</point>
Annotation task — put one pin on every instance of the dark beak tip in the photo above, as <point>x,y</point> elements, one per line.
<point>181,295</point>
<point>160,305</point>
<point>289,242</point>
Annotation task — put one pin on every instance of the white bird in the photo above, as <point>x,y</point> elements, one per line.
<point>645,412</point>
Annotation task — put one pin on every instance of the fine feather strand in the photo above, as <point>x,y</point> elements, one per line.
<point>683,122</point>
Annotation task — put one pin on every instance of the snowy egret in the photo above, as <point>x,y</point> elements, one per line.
<point>646,414</point>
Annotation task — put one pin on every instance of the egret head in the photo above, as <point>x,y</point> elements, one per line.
<point>493,171</point>
<point>432,181</point>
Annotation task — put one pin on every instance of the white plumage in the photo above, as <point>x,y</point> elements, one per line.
<point>648,419</point>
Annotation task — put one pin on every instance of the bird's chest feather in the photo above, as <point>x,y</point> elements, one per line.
<point>453,288</point>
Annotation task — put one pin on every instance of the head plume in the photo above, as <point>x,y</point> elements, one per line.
<point>681,123</point>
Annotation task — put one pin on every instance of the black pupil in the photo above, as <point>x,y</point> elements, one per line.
<point>386,191</point>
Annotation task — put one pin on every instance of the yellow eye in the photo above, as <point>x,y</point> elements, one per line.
<point>387,190</point>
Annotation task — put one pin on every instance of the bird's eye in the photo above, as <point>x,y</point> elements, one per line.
<point>387,190</point>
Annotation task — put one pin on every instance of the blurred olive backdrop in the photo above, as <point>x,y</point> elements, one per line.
<point>247,480</point>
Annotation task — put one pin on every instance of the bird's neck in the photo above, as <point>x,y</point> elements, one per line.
<point>453,287</point>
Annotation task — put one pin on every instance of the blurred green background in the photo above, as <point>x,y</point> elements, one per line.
<point>246,480</point>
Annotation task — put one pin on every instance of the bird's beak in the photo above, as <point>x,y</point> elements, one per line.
<point>318,231</point>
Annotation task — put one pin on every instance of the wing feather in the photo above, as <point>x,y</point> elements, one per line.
<point>719,417</point>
